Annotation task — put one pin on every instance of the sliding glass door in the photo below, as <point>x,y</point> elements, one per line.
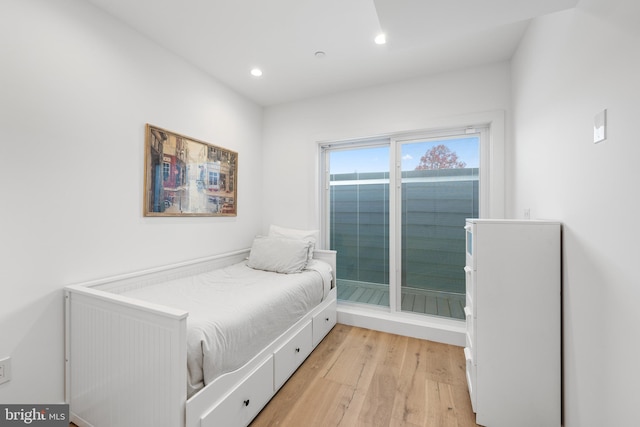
<point>359,222</point>
<point>439,186</point>
<point>395,213</point>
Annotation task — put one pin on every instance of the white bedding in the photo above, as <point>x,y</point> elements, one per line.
<point>234,312</point>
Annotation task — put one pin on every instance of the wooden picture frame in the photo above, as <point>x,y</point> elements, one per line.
<point>187,177</point>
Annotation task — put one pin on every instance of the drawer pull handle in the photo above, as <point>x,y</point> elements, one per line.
<point>326,319</point>
<point>297,349</point>
<point>246,402</point>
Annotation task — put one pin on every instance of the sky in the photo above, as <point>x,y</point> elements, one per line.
<point>377,159</point>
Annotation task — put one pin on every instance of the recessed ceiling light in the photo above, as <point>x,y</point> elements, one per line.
<point>256,72</point>
<point>381,38</point>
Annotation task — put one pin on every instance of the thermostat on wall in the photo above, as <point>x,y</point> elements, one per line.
<point>600,127</point>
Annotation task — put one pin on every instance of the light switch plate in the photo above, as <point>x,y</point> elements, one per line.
<point>600,127</point>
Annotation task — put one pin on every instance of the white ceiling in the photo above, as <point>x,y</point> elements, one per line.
<point>226,38</point>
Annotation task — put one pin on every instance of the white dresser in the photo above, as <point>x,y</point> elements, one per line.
<point>513,315</point>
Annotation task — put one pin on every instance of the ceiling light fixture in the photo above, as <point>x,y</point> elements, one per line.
<point>256,72</point>
<point>381,38</point>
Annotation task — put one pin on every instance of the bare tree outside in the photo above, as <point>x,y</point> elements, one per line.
<point>440,157</point>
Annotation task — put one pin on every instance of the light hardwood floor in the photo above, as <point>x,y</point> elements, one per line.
<point>360,377</point>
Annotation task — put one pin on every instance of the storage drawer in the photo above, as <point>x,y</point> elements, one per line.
<point>471,378</point>
<point>244,402</point>
<point>470,285</point>
<point>469,245</point>
<point>470,345</point>
<point>471,333</point>
<point>323,322</point>
<point>288,357</point>
<point>470,320</point>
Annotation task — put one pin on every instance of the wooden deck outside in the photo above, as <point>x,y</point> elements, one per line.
<point>414,300</point>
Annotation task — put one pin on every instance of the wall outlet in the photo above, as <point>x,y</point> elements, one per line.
<point>5,370</point>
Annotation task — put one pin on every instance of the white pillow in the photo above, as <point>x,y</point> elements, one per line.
<point>311,236</point>
<point>279,254</point>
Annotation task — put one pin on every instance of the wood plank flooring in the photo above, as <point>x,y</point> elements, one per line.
<point>360,377</point>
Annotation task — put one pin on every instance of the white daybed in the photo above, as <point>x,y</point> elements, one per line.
<point>126,359</point>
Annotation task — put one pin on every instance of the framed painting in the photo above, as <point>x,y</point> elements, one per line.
<point>187,177</point>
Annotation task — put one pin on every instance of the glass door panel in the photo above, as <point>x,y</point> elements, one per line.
<point>439,189</point>
<point>359,223</point>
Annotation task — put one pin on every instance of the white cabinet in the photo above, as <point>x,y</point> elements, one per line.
<point>513,315</point>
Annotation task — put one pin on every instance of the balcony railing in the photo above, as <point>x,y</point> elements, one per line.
<point>435,205</point>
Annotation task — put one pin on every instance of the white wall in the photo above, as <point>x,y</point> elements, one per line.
<point>76,89</point>
<point>570,66</point>
<point>291,131</point>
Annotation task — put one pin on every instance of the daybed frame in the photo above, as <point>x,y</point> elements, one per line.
<point>126,360</point>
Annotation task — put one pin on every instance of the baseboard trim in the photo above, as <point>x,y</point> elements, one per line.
<point>447,331</point>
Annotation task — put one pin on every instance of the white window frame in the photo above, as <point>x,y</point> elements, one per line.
<point>492,205</point>
<point>395,196</point>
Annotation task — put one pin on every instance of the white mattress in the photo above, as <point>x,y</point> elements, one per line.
<point>234,312</point>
